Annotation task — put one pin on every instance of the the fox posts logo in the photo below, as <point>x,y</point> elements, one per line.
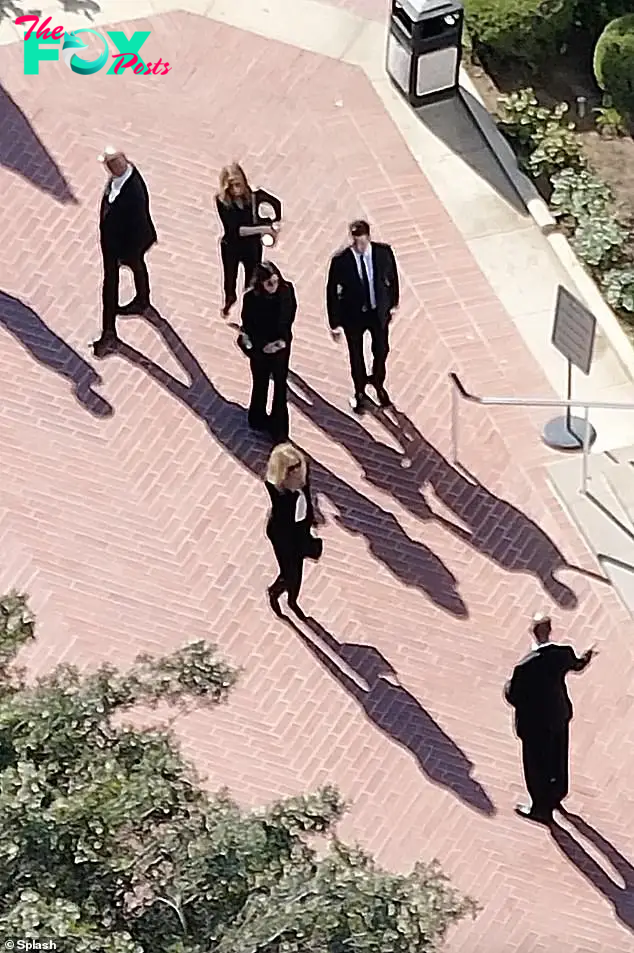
<point>43,44</point>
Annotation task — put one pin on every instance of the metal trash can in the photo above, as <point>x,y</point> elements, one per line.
<point>424,48</point>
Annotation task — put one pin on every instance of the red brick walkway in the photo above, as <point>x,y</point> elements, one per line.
<point>143,529</point>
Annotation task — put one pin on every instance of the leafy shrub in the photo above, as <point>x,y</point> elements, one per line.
<point>599,241</point>
<point>618,288</point>
<point>108,840</point>
<point>580,195</point>
<point>610,122</point>
<point>545,142</point>
<point>531,31</point>
<point>614,63</point>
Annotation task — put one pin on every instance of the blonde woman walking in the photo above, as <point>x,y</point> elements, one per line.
<point>290,523</point>
<point>241,243</point>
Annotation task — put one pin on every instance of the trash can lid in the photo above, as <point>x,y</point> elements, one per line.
<point>416,8</point>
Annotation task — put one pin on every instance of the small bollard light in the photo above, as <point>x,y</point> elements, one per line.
<point>582,102</point>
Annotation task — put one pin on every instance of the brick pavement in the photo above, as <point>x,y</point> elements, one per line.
<point>131,511</point>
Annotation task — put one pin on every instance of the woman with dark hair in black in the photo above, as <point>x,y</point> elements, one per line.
<point>268,312</point>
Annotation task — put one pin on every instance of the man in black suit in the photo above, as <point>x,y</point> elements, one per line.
<point>126,233</point>
<point>362,292</point>
<point>543,711</point>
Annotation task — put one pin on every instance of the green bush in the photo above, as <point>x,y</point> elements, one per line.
<point>544,141</point>
<point>618,288</point>
<point>580,195</point>
<point>531,31</point>
<point>614,63</point>
<point>599,242</point>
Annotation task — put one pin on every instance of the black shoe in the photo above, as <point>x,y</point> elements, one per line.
<point>383,397</point>
<point>228,305</point>
<point>359,403</point>
<point>274,601</point>
<point>292,605</point>
<point>530,814</point>
<point>134,307</point>
<point>105,345</point>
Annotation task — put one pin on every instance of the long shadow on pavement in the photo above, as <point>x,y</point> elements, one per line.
<point>622,897</point>
<point>22,151</point>
<point>411,562</point>
<point>493,526</point>
<point>373,683</point>
<point>49,349</point>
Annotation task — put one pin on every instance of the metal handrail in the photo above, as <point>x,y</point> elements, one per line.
<point>460,392</point>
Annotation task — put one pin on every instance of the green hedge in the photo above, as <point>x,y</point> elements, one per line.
<point>614,63</point>
<point>527,30</point>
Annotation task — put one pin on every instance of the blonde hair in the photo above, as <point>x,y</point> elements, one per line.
<point>285,458</point>
<point>229,172</point>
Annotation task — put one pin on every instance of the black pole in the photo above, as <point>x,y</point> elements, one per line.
<point>569,397</point>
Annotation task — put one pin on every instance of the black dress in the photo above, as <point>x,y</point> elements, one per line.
<point>267,318</point>
<point>290,536</point>
<point>236,250</point>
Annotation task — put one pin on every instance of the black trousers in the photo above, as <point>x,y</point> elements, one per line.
<point>265,368</point>
<point>110,294</point>
<point>246,252</point>
<point>291,565</point>
<point>545,758</point>
<point>379,334</point>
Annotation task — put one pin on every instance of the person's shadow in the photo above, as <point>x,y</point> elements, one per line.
<point>622,897</point>
<point>493,526</point>
<point>410,561</point>
<point>370,679</point>
<point>23,152</point>
<point>49,349</point>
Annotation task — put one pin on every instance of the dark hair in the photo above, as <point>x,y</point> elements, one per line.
<point>359,228</point>
<point>262,273</point>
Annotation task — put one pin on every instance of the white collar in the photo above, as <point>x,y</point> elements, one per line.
<point>541,645</point>
<point>362,254</point>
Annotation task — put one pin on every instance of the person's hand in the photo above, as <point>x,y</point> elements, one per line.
<point>274,347</point>
<point>590,653</point>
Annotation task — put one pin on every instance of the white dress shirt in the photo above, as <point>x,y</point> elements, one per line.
<point>301,507</point>
<point>366,256</point>
<point>117,183</point>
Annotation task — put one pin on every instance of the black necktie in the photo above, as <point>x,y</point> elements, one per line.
<point>366,283</point>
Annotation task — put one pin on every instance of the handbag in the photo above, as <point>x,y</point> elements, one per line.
<point>244,344</point>
<point>313,547</point>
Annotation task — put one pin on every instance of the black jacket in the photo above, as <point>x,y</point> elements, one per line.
<point>345,296</point>
<point>283,530</point>
<point>125,225</point>
<point>268,318</point>
<point>537,689</point>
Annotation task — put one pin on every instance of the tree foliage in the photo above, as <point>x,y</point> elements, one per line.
<point>108,839</point>
<point>530,31</point>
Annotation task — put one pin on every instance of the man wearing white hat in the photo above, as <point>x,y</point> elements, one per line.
<point>126,234</point>
<point>543,711</point>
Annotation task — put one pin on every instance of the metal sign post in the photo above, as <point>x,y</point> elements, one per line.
<point>574,331</point>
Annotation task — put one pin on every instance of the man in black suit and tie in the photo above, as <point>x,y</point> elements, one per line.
<point>362,293</point>
<point>543,711</point>
<point>126,233</point>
